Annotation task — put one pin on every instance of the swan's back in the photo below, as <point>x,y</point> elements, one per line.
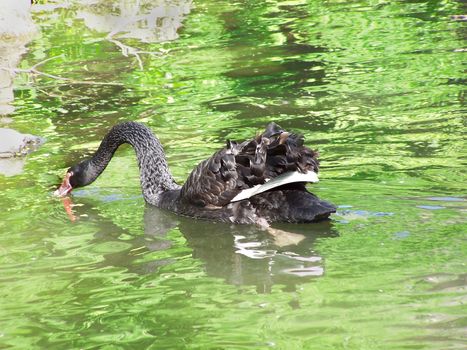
<point>216,182</point>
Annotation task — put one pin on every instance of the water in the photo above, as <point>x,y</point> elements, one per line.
<point>376,86</point>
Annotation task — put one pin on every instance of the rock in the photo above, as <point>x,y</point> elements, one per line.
<point>13,147</point>
<point>14,144</point>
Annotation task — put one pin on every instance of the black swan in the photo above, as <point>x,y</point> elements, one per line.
<point>258,181</point>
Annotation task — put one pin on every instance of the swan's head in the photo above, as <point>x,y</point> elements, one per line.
<point>74,177</point>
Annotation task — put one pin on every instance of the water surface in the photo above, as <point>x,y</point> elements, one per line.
<point>377,87</point>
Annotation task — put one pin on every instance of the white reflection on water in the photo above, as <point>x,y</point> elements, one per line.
<point>16,30</point>
<point>147,21</point>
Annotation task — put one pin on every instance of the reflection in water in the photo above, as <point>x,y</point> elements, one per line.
<point>148,21</point>
<point>16,30</point>
<point>244,254</point>
<point>239,254</point>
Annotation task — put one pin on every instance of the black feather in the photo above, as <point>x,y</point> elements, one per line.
<point>237,166</point>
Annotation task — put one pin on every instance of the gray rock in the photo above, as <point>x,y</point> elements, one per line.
<point>13,147</point>
<point>14,144</point>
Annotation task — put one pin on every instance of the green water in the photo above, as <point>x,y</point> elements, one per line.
<point>376,86</point>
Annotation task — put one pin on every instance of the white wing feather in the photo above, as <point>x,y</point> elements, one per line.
<point>280,180</point>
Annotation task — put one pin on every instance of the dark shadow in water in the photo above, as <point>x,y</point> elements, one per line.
<point>239,254</point>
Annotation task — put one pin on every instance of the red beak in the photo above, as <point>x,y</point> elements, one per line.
<point>65,187</point>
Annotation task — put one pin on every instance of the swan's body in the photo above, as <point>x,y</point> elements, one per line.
<point>259,181</point>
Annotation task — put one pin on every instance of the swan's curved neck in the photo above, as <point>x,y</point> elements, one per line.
<point>154,170</point>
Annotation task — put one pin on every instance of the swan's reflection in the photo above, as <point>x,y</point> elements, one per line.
<point>239,254</point>
<point>244,254</point>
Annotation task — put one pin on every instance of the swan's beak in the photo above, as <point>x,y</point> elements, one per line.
<point>65,187</point>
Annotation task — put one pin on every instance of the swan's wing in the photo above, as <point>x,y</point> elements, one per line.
<point>213,182</point>
<point>239,171</point>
